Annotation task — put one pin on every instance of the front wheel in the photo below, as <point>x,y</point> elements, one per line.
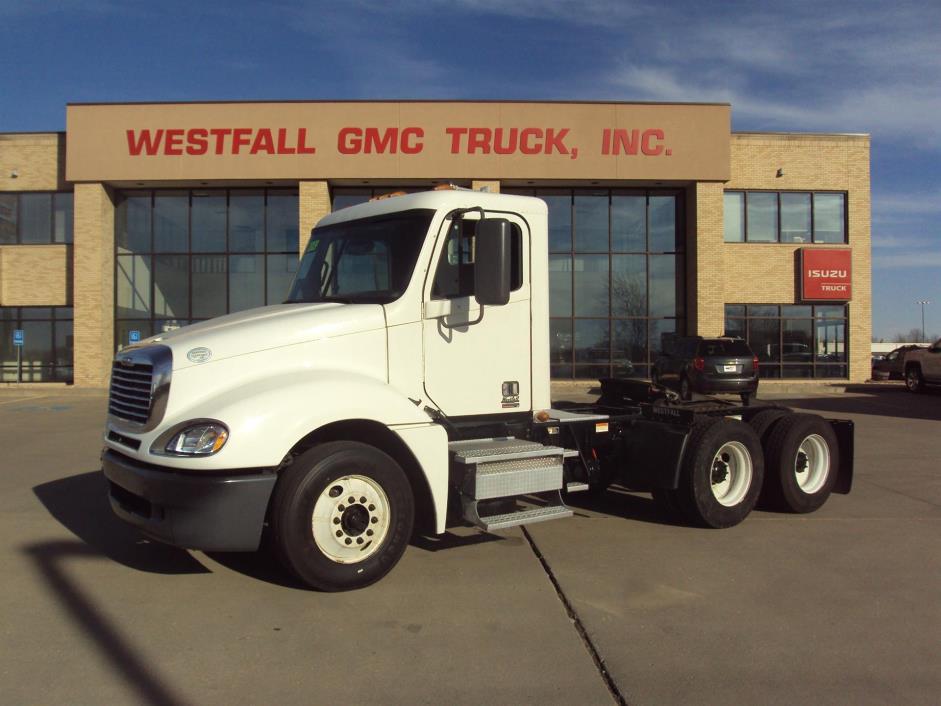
<point>801,461</point>
<point>342,516</point>
<point>722,473</point>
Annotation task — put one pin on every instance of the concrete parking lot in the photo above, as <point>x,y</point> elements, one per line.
<point>615,605</point>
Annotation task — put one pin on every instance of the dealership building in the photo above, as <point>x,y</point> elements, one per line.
<point>141,218</point>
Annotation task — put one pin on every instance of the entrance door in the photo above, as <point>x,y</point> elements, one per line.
<point>477,359</point>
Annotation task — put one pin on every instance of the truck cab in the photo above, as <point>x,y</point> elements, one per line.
<point>405,382</point>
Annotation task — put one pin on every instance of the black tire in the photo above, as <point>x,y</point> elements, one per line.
<point>327,473</point>
<point>764,421</point>
<point>913,379</point>
<point>686,391</point>
<point>702,469</point>
<point>668,504</point>
<point>796,441</point>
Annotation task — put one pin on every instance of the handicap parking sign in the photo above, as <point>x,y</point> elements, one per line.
<point>18,337</point>
<point>133,337</point>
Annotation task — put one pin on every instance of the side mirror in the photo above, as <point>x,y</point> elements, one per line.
<point>492,258</point>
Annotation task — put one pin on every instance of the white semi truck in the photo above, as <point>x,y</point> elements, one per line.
<point>404,383</point>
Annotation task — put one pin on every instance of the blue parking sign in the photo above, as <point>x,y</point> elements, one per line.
<point>18,337</point>
<point>133,337</point>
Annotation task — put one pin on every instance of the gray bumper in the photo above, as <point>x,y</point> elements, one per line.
<point>212,513</point>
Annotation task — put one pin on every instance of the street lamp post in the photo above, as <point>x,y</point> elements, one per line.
<point>924,336</point>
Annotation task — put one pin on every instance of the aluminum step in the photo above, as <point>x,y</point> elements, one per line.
<point>522,517</point>
<point>472,451</point>
<point>502,479</point>
<point>575,487</point>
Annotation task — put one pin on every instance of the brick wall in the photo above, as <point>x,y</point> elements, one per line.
<point>34,275</point>
<point>37,159</point>
<point>93,270</point>
<point>313,204</point>
<point>751,273</point>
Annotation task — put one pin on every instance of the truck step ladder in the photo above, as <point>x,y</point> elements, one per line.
<point>505,467</point>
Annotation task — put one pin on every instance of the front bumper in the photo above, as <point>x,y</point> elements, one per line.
<point>193,511</point>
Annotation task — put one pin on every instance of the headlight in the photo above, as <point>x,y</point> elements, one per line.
<point>198,440</point>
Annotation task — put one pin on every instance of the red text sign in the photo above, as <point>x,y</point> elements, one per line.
<point>826,275</point>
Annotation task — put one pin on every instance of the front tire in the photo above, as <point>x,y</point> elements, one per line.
<point>801,461</point>
<point>722,473</point>
<point>342,516</point>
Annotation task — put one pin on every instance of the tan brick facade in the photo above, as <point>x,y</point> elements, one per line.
<point>35,275</point>
<point>753,273</point>
<point>94,284</point>
<point>82,275</point>
<point>313,203</point>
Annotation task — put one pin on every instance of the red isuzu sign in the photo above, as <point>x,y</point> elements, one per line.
<point>826,275</point>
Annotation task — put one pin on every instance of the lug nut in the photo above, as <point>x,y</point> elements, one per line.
<point>339,533</point>
<point>341,507</point>
<point>349,541</point>
<point>363,500</point>
<point>351,500</point>
<point>359,540</point>
<point>374,520</point>
<point>336,520</point>
<point>369,533</point>
<point>372,508</point>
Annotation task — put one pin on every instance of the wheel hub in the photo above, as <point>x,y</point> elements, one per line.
<point>800,466</point>
<point>720,469</point>
<point>350,519</point>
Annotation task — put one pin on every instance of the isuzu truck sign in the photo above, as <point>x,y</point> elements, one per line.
<point>826,275</point>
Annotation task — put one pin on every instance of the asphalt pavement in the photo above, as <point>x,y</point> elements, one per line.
<point>614,605</point>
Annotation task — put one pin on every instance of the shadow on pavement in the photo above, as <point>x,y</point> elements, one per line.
<point>888,400</point>
<point>80,504</point>
<point>619,502</point>
<point>50,559</point>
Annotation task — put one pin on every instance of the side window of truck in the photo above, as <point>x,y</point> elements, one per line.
<point>454,277</point>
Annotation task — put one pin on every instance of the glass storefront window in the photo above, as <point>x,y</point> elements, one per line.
<point>762,225</point>
<point>754,216</point>
<point>47,352</point>
<point>734,219</point>
<point>793,340</point>
<point>828,218</point>
<point>35,218</point>
<point>591,223</point>
<point>628,223</point>
<point>616,279</point>
<point>184,256</point>
<point>795,218</point>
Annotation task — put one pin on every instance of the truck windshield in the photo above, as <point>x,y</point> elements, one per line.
<point>366,261</point>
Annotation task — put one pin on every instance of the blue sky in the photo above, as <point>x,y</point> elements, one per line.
<point>860,66</point>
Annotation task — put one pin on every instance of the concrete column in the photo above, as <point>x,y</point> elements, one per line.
<point>313,204</point>
<point>93,284</point>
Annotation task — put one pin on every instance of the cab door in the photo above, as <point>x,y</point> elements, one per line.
<point>477,359</point>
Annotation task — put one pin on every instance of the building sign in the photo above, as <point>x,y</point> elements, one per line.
<point>826,274</point>
<point>401,140</point>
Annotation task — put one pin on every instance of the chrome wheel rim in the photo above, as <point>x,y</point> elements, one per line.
<point>812,464</point>
<point>731,474</point>
<point>351,519</point>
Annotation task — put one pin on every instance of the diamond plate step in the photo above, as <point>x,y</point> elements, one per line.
<point>501,448</point>
<point>523,517</point>
<point>501,479</point>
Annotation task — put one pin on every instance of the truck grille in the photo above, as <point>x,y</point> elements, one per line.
<point>140,381</point>
<point>131,392</point>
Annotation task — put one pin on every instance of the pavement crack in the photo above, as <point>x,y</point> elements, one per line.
<point>577,622</point>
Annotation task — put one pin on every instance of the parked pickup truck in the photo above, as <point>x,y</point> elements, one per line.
<point>923,367</point>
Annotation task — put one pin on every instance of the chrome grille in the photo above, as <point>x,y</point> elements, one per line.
<point>140,386</point>
<point>131,394</point>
